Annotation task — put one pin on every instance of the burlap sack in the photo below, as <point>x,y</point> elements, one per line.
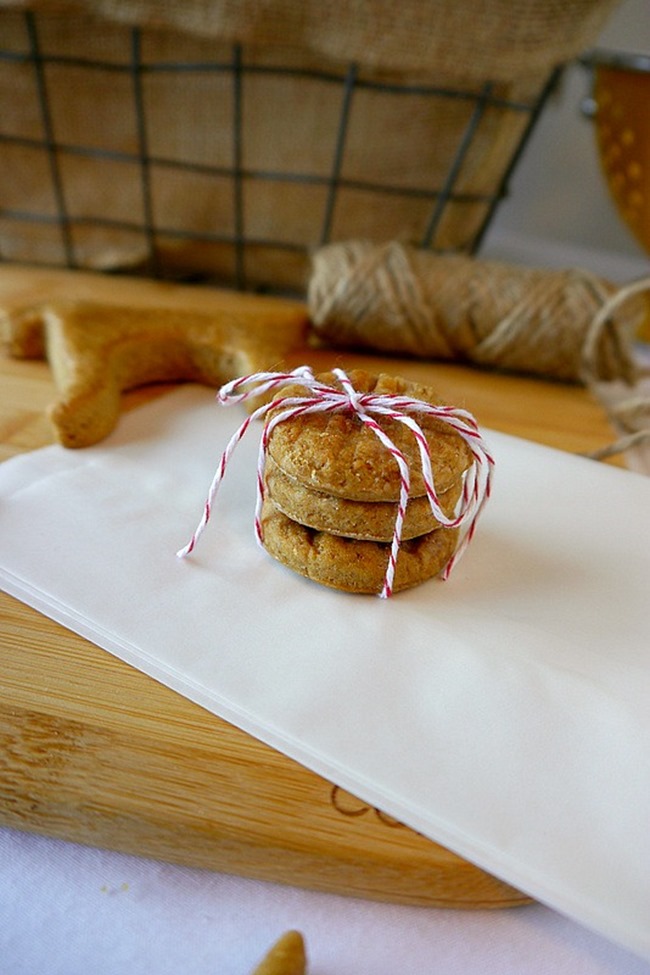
<point>227,139</point>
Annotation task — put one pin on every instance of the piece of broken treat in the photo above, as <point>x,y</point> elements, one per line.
<point>97,351</point>
<point>286,957</point>
<point>372,448</point>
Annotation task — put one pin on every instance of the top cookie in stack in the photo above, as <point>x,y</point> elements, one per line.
<point>332,490</point>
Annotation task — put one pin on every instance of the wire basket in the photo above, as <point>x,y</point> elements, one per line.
<point>147,150</point>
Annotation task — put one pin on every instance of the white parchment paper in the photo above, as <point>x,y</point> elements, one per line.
<point>504,713</point>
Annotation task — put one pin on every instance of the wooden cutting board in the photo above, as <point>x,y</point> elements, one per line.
<point>94,751</point>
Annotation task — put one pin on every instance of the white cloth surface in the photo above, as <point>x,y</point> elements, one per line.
<point>503,713</point>
<point>71,910</point>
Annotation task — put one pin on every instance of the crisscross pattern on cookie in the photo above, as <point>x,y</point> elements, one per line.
<point>369,408</point>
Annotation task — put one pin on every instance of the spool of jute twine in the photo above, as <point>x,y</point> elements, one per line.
<point>568,325</point>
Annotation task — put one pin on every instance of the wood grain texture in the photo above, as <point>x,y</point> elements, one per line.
<point>94,751</point>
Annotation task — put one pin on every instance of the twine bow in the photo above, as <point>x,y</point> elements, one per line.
<point>322,398</point>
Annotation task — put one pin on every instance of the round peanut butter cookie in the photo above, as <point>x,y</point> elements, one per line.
<point>337,454</point>
<point>370,520</point>
<point>349,564</point>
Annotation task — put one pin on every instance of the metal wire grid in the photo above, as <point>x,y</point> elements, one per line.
<point>349,82</point>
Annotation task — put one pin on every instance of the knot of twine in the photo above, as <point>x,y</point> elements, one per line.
<point>398,299</point>
<point>321,398</point>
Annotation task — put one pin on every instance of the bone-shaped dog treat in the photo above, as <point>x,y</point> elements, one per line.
<point>96,351</point>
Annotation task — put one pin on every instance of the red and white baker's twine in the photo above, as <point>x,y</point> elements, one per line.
<point>329,399</point>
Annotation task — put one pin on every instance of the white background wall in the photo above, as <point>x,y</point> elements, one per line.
<point>558,195</point>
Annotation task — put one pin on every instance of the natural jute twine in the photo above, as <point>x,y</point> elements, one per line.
<point>399,300</point>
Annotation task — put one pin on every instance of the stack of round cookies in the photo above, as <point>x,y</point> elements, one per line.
<point>332,490</point>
